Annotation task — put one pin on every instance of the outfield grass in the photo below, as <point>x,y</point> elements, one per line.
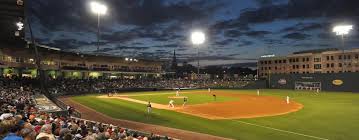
<point>329,115</point>
<point>193,98</point>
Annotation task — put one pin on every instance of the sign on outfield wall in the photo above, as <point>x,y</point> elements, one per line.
<point>337,82</point>
<point>282,81</point>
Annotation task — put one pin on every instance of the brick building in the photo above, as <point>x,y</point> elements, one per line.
<point>313,61</point>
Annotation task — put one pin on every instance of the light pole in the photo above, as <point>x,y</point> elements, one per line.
<point>198,38</point>
<point>99,9</point>
<point>341,30</point>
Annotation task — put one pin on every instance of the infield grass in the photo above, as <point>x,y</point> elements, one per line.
<point>328,115</point>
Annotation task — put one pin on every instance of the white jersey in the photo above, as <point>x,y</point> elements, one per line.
<point>287,99</point>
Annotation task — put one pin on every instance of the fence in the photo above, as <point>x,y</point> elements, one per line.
<point>328,81</point>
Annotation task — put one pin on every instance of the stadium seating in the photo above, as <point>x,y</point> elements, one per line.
<point>20,119</point>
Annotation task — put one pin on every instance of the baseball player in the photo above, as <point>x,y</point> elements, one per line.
<point>177,93</point>
<point>214,97</point>
<point>209,90</point>
<point>170,104</point>
<point>184,101</point>
<point>317,90</point>
<point>257,92</point>
<point>287,99</point>
<point>149,108</point>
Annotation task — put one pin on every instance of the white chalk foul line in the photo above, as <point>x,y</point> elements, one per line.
<point>314,137</point>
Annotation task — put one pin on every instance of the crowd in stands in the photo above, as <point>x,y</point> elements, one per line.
<point>21,120</point>
<point>71,86</point>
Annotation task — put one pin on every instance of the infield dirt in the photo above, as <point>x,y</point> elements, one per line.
<point>248,106</point>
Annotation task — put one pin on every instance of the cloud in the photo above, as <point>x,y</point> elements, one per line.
<point>71,44</point>
<point>295,9</point>
<point>234,24</point>
<point>311,45</point>
<point>296,36</point>
<point>148,12</point>
<point>224,42</point>
<point>263,3</point>
<point>257,33</point>
<point>245,43</point>
<point>324,35</point>
<point>130,48</point>
<point>232,33</point>
<point>300,27</point>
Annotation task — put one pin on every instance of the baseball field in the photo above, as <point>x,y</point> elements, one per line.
<point>237,114</point>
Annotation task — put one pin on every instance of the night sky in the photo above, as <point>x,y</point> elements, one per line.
<point>237,30</point>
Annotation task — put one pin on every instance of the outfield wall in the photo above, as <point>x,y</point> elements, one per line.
<point>329,81</point>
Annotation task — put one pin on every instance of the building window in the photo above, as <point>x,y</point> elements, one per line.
<point>356,56</point>
<point>349,57</point>
<point>284,61</point>
<point>269,62</point>
<point>317,66</point>
<point>316,59</point>
<point>280,61</point>
<point>307,58</point>
<point>340,57</point>
<point>340,65</point>
<point>303,59</point>
<point>261,62</point>
<point>327,58</point>
<point>332,65</point>
<point>297,60</point>
<point>332,57</point>
<point>328,65</point>
<point>345,57</point>
<point>265,62</point>
<point>293,66</point>
<point>297,66</point>
<point>303,66</point>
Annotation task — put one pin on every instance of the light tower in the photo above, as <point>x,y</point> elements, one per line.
<point>198,38</point>
<point>342,30</point>
<point>99,9</point>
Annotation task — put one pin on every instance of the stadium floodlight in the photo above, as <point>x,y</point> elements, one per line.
<point>20,25</point>
<point>198,37</point>
<point>126,59</point>
<point>98,8</point>
<point>342,29</point>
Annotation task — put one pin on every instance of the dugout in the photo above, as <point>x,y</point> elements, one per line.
<point>312,81</point>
